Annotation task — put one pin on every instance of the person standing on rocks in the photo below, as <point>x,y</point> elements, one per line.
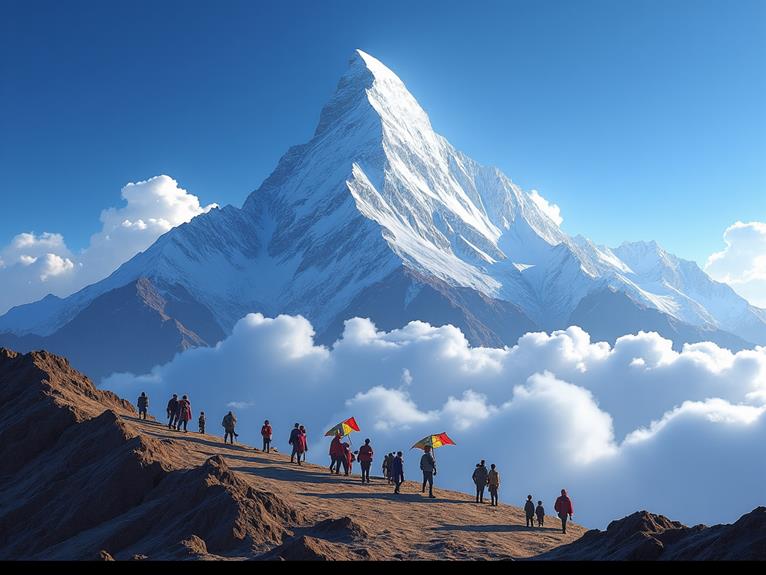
<point>564,508</point>
<point>143,405</point>
<point>201,422</point>
<point>365,460</point>
<point>305,442</point>
<point>184,413</point>
<point>336,454</point>
<point>428,466</point>
<point>480,480</point>
<point>386,468</point>
<point>347,458</point>
<point>172,411</point>
<point>529,511</point>
<point>397,471</point>
<point>300,444</point>
<point>493,481</point>
<point>540,512</point>
<point>294,441</point>
<point>266,435</point>
<point>229,423</point>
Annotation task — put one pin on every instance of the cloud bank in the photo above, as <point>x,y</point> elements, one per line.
<point>32,266</point>
<point>629,427</point>
<point>742,264</point>
<point>548,208</point>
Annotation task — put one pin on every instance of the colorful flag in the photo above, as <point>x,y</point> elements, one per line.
<point>434,441</point>
<point>344,428</point>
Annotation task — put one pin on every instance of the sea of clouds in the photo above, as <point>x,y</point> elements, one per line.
<point>625,427</point>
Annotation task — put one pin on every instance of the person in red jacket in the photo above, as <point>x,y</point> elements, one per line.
<point>266,434</point>
<point>347,458</point>
<point>300,445</point>
<point>365,460</point>
<point>564,508</point>
<point>336,454</point>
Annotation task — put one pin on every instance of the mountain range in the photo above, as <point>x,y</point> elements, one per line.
<point>379,216</point>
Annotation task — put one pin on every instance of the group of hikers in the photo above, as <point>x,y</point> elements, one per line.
<point>179,413</point>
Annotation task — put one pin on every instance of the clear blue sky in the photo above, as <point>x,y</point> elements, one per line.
<point>641,119</point>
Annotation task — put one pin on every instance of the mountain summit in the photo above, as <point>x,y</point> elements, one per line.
<point>379,216</point>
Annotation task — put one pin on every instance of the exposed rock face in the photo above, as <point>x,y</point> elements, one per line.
<point>644,536</point>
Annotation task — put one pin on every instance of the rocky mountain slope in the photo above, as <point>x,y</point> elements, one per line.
<point>379,216</point>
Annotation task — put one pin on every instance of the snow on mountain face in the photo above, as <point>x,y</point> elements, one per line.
<point>376,190</point>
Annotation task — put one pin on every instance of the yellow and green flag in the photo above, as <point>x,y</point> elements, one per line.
<point>344,428</point>
<point>434,441</point>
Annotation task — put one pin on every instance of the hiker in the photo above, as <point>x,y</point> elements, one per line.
<point>184,413</point>
<point>336,454</point>
<point>386,467</point>
<point>229,421</point>
<point>299,447</point>
<point>529,510</point>
<point>428,466</point>
<point>201,422</point>
<point>365,460</point>
<point>305,442</point>
<point>347,458</point>
<point>480,480</point>
<point>493,481</point>
<point>143,405</point>
<point>172,411</point>
<point>564,508</point>
<point>266,434</point>
<point>540,512</point>
<point>294,433</point>
<point>397,471</point>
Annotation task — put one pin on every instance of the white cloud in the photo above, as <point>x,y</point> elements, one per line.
<point>742,264</point>
<point>629,427</point>
<point>549,209</point>
<point>32,266</point>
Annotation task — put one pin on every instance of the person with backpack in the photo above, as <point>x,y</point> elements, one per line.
<point>428,466</point>
<point>529,511</point>
<point>480,480</point>
<point>201,422</point>
<point>143,405</point>
<point>564,508</point>
<point>365,460</point>
<point>540,512</point>
<point>172,411</point>
<point>336,454</point>
<point>493,481</point>
<point>397,471</point>
<point>266,435</point>
<point>229,423</point>
<point>294,433</point>
<point>184,413</point>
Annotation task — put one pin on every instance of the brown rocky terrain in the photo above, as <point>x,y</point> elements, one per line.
<point>81,477</point>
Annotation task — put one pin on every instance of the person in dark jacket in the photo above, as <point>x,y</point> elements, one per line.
<point>201,422</point>
<point>365,460</point>
<point>143,405</point>
<point>397,471</point>
<point>229,423</point>
<point>347,458</point>
<point>172,411</point>
<point>184,413</point>
<point>480,480</point>
<point>540,512</point>
<point>529,511</point>
<point>336,454</point>
<point>493,481</point>
<point>564,508</point>
<point>428,466</point>
<point>266,435</point>
<point>294,441</point>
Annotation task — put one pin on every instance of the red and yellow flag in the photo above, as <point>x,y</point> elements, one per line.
<point>434,441</point>
<point>344,428</point>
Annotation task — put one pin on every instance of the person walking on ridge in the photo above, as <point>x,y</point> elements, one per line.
<point>294,433</point>
<point>540,512</point>
<point>336,454</point>
<point>306,442</point>
<point>172,411</point>
<point>266,435</point>
<point>229,423</point>
<point>428,466</point>
<point>300,444</point>
<point>201,422</point>
<point>365,460</point>
<point>184,413</point>
<point>480,480</point>
<point>564,508</point>
<point>529,511</point>
<point>493,481</point>
<point>397,471</point>
<point>143,405</point>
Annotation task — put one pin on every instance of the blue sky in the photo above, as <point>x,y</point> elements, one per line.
<point>642,120</point>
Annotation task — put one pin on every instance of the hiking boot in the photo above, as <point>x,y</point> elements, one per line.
<point>432,496</point>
